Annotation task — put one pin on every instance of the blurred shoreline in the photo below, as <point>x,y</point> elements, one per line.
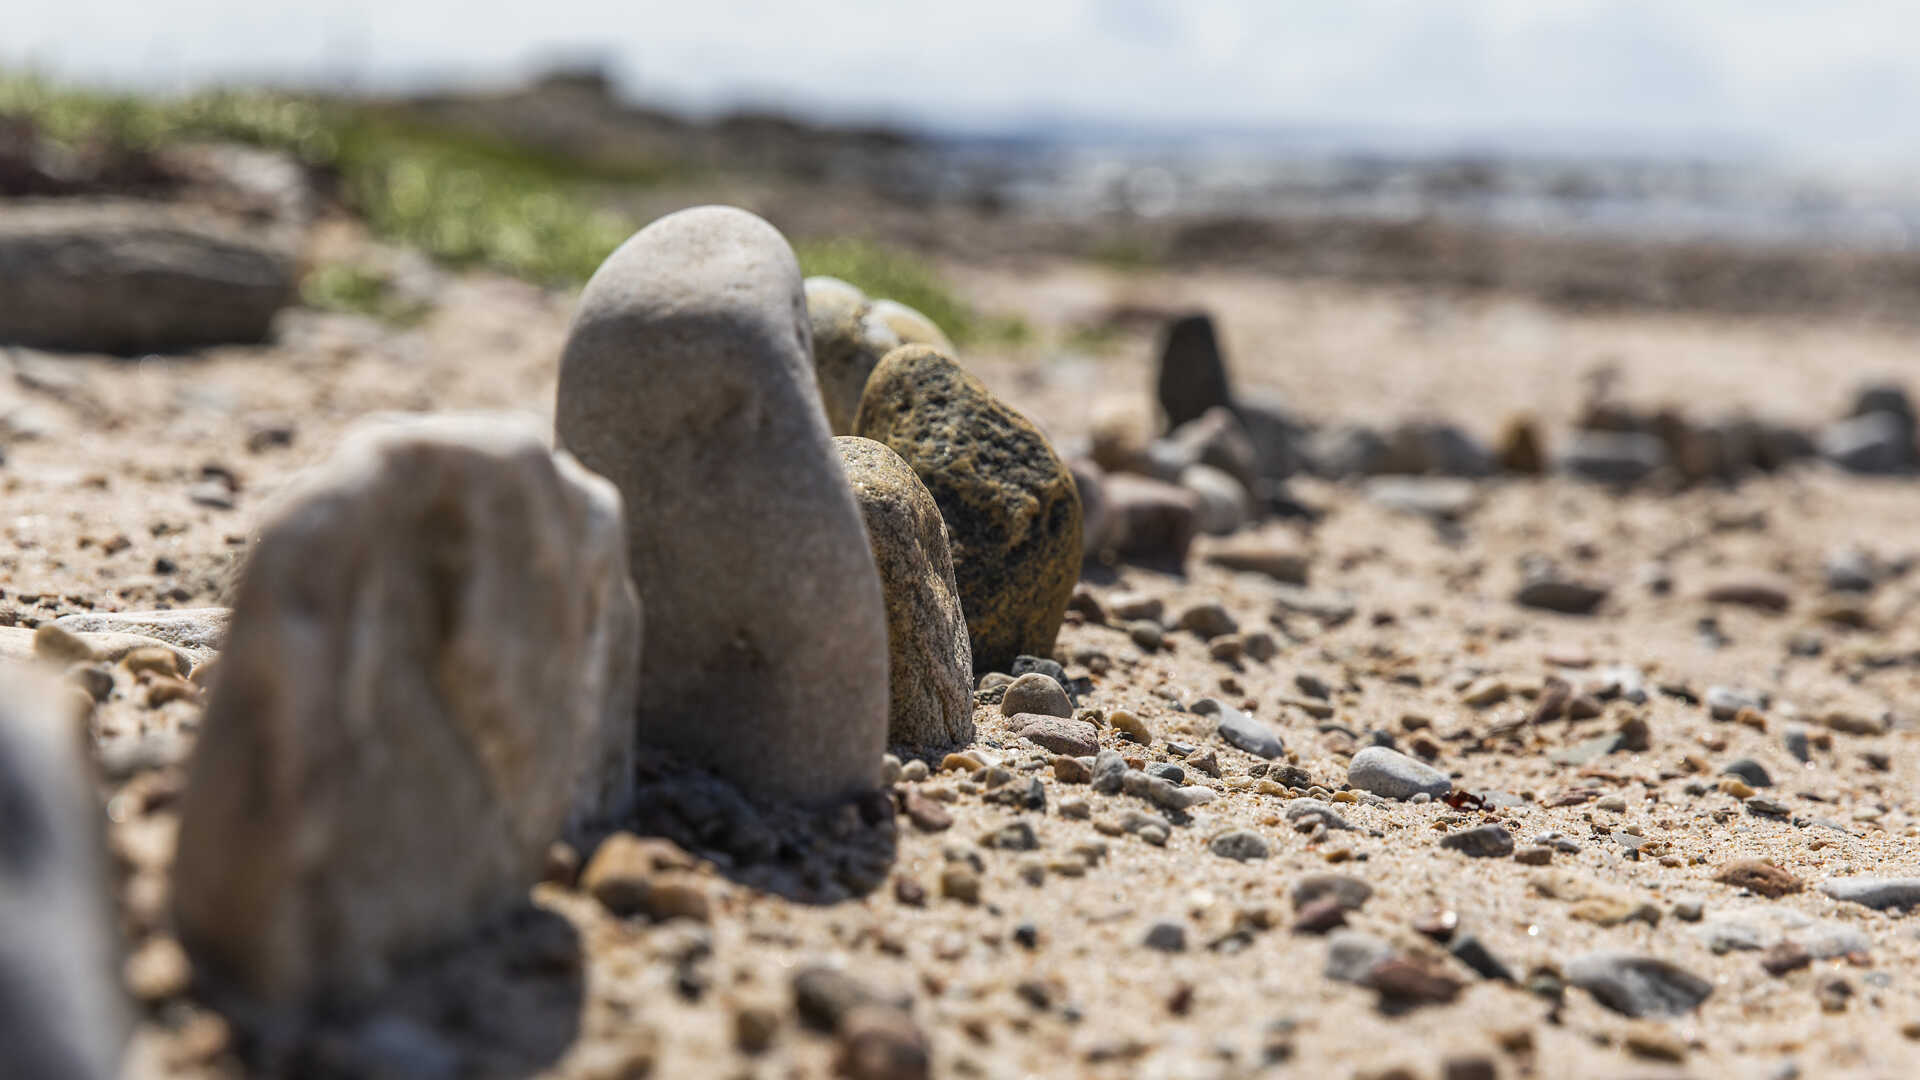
<point>1723,229</point>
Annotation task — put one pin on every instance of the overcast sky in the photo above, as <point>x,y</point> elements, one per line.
<point>1837,78</point>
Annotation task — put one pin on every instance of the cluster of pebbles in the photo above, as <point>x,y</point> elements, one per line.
<point>806,713</point>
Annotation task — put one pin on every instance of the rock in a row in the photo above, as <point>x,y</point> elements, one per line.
<point>431,673</point>
<point>687,380</point>
<point>1011,507</point>
<point>929,663</point>
<point>62,1014</point>
<point>851,334</point>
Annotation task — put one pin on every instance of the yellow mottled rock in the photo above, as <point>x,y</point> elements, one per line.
<point>1010,504</point>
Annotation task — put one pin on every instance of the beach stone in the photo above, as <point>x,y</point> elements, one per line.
<point>929,660</point>
<point>1490,841</point>
<point>442,608</point>
<point>1240,845</point>
<point>1240,730</point>
<point>1429,447</point>
<point>1151,521</point>
<point>1193,374</point>
<point>1638,986</point>
<point>1352,955</point>
<point>1342,451</point>
<point>1218,440</point>
<point>1761,877</point>
<point>1518,449</point>
<point>1036,693</point>
<point>1749,770</point>
<point>1875,444</point>
<point>1012,512</point>
<point>1096,512</point>
<point>1166,935</point>
<point>62,1012</point>
<point>1875,892</point>
<point>848,341</point>
<point>1351,892</point>
<point>910,326</point>
<point>1267,555</point>
<point>52,643</point>
<point>1559,594</point>
<point>1616,458</point>
<point>1225,505</point>
<point>1393,775</point>
<point>686,380</point>
<point>1074,738</point>
<point>1278,436</point>
<point>134,277</point>
<point>198,630</point>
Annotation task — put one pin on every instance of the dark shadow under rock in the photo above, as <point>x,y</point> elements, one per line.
<point>812,856</point>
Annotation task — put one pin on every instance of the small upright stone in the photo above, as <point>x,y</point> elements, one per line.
<point>64,1014</point>
<point>687,381</point>
<point>1193,376</point>
<point>1012,511</point>
<point>929,659</point>
<point>848,341</point>
<point>430,676</point>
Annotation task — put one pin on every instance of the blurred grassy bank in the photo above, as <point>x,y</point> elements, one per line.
<point>467,198</point>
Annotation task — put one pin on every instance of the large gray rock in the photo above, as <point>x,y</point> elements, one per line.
<point>134,278</point>
<point>1393,775</point>
<point>430,677</point>
<point>687,380</point>
<point>929,662</point>
<point>848,341</point>
<point>62,1013</point>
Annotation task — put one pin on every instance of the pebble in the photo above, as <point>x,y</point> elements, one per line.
<point>1535,855</point>
<point>1480,842</point>
<point>1562,595</point>
<point>1207,620</point>
<point>1192,375</point>
<point>1725,702</point>
<point>1749,770</point>
<point>1307,814</point>
<point>1074,738</point>
<point>882,1043</point>
<point>1124,722</point>
<point>1638,986</point>
<point>1352,955</point>
<point>1470,951</point>
<point>1351,892</point>
<point>1037,694</point>
<point>1146,634</point>
<point>1240,730</point>
<point>1321,916</point>
<point>1012,511</point>
<point>1615,458</point>
<point>1260,555</point>
<point>1109,771</point>
<point>1071,770</point>
<point>1875,892</point>
<point>685,381</point>
<point>1224,503</point>
<point>1166,936</point>
<point>1393,775</point>
<point>1753,593</point>
<point>1240,845</point>
<point>1761,877</point>
<point>1136,606</point>
<point>929,661</point>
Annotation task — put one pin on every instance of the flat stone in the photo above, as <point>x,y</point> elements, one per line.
<point>1150,521</point>
<point>1074,738</point>
<point>1241,730</point>
<point>1615,458</point>
<point>65,1014</point>
<point>1562,595</point>
<point>1352,955</point>
<point>1875,892</point>
<point>1749,770</point>
<point>1393,775</point>
<point>200,630</point>
<point>443,607</point>
<point>1240,845</point>
<point>1012,512</point>
<point>1425,496</point>
<point>136,276</point>
<point>929,660</point>
<point>1350,891</point>
<point>1638,986</point>
<point>686,380</point>
<point>1480,842</point>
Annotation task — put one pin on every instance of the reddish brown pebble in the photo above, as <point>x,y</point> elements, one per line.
<point>1785,957</point>
<point>926,814</point>
<point>1320,916</point>
<point>1761,877</point>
